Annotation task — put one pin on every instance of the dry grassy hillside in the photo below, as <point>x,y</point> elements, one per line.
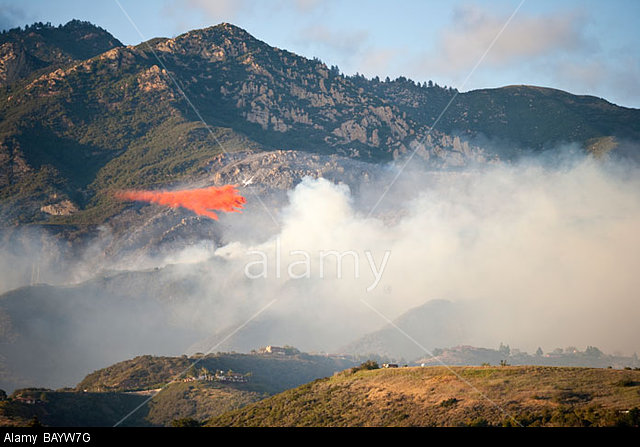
<point>459,396</point>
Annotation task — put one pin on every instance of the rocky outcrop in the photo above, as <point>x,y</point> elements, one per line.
<point>62,208</point>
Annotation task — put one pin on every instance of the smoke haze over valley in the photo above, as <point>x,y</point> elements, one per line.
<point>540,252</point>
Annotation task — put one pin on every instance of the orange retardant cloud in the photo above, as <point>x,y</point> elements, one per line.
<point>201,201</point>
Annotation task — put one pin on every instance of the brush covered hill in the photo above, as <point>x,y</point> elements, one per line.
<point>269,372</point>
<point>196,400</point>
<point>456,396</point>
<point>194,388</point>
<point>69,409</point>
<point>113,117</point>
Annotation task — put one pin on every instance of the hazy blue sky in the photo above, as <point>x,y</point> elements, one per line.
<point>582,46</point>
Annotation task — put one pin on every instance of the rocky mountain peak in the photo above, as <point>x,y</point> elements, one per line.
<point>24,51</point>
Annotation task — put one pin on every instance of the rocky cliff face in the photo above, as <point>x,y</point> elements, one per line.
<point>286,101</point>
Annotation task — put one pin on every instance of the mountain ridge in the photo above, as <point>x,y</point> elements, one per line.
<point>41,46</point>
<point>72,134</point>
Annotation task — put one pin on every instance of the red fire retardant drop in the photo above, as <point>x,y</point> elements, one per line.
<point>201,201</point>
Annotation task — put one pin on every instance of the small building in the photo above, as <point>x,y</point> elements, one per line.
<point>273,350</point>
<point>28,400</point>
<point>389,365</point>
<point>221,376</point>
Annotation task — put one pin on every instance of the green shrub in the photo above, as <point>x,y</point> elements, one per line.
<point>479,422</point>
<point>368,365</point>
<point>449,402</point>
<point>630,419</point>
<point>627,382</point>
<point>186,422</point>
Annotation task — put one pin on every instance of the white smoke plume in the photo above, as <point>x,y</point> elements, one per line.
<point>544,253</point>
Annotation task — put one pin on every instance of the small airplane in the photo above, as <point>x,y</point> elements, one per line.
<point>247,182</point>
